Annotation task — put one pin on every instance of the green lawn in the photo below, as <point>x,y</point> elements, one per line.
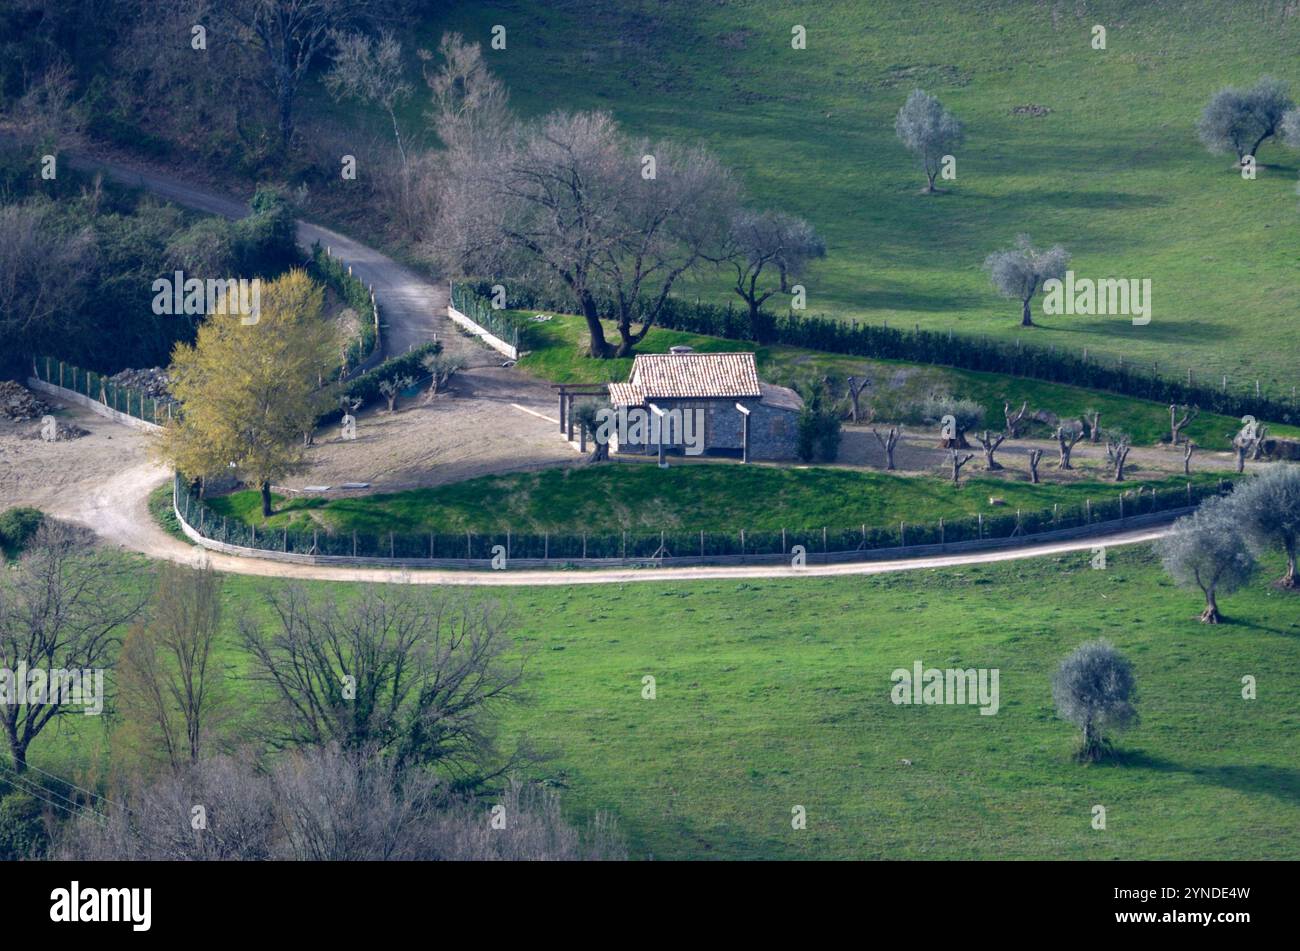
<point>554,350</point>
<point>772,694</point>
<point>1114,172</point>
<point>710,497</point>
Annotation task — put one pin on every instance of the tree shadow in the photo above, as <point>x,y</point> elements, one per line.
<point>1281,782</point>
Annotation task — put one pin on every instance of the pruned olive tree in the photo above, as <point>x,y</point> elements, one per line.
<point>1094,688</point>
<point>928,131</point>
<point>1020,272</point>
<point>1239,121</point>
<point>1206,550</point>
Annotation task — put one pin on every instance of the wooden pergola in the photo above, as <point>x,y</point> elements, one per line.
<point>568,392</point>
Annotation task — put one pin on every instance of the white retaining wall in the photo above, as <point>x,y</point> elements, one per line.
<point>492,340</point>
<point>96,406</point>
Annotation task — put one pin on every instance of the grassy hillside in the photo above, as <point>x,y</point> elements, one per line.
<point>772,694</point>
<point>1114,171</point>
<point>689,497</point>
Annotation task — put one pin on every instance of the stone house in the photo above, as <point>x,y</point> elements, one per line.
<point>742,417</point>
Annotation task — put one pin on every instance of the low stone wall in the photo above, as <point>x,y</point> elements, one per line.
<point>493,341</point>
<point>72,396</point>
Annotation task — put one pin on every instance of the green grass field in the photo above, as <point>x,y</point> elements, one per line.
<point>690,497</point>
<point>1114,172</point>
<point>772,694</point>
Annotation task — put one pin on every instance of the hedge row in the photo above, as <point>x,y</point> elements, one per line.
<point>818,332</point>
<point>330,270</point>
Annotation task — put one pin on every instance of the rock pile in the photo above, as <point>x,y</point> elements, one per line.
<point>154,382</point>
<point>18,402</point>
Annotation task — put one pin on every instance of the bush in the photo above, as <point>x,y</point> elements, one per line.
<point>366,386</point>
<point>266,241</point>
<point>22,831</point>
<point>17,526</point>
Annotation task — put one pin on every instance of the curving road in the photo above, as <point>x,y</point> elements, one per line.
<point>413,310</point>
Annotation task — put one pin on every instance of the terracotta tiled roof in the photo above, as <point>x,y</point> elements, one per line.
<point>695,376</point>
<point>625,394</point>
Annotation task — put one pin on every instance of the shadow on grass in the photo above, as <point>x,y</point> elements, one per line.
<point>1281,782</point>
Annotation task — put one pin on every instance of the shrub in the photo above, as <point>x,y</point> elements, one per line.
<point>17,526</point>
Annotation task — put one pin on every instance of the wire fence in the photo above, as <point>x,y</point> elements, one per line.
<point>627,547</point>
<point>480,310</point>
<point>102,389</point>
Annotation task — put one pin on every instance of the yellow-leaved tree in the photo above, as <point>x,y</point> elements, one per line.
<point>248,392</point>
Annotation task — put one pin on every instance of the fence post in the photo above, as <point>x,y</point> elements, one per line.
<point>584,545</point>
<point>980,530</point>
<point>941,534</point>
<point>391,552</point>
<point>902,534</point>
<point>702,541</point>
<point>1087,505</point>
<point>354,543</point>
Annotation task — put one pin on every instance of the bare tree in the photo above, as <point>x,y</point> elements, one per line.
<point>1035,456</point>
<point>329,804</point>
<point>1246,442</point>
<point>1013,420</point>
<point>45,115</point>
<point>991,444</point>
<point>61,608</point>
<point>1206,550</point>
<point>1118,446</point>
<point>1188,448</point>
<point>413,673</point>
<point>1019,272</point>
<point>45,273</point>
<point>470,106</point>
<point>856,387</point>
<point>1093,419</point>
<point>1094,689</point>
<point>172,698</point>
<point>1176,424</point>
<point>1241,120</point>
<point>889,443</point>
<point>928,131</point>
<point>572,201</point>
<point>957,463</point>
<point>772,242</point>
<point>288,34</point>
<point>369,70</point>
<point>1067,435</point>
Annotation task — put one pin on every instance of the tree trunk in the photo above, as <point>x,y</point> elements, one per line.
<point>1211,613</point>
<point>930,189</point>
<point>1026,318</point>
<point>1290,580</point>
<point>266,499</point>
<point>600,347</point>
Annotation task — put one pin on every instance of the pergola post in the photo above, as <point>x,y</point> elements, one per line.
<point>744,431</point>
<point>659,415</point>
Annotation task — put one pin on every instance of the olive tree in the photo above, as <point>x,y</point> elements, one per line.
<point>1207,550</point>
<point>928,131</point>
<point>1019,272</point>
<point>1241,120</point>
<point>1094,689</point>
<point>1267,508</point>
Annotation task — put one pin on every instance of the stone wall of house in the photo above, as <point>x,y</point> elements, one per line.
<point>773,431</point>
